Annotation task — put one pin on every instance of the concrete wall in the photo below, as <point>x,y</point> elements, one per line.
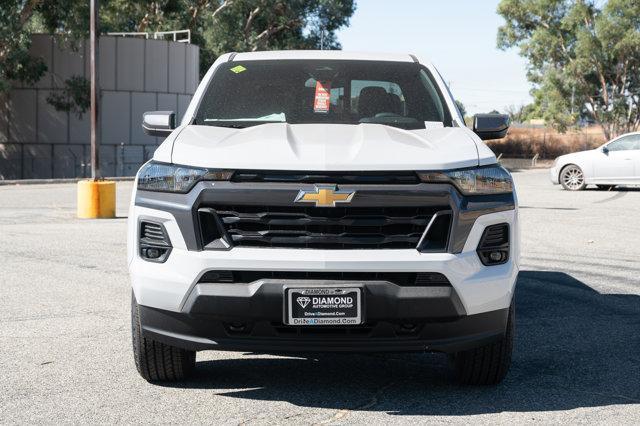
<point>136,75</point>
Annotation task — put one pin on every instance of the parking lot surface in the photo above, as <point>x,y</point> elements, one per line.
<point>65,351</point>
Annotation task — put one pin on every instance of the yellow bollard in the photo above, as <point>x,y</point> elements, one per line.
<point>96,199</point>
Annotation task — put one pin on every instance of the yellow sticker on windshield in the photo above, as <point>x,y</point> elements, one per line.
<point>238,69</point>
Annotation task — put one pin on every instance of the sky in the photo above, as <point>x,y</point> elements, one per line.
<point>457,36</point>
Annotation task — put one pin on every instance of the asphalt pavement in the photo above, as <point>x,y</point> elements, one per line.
<point>65,349</point>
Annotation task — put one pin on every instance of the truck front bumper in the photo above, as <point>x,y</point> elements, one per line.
<point>239,320</point>
<point>178,309</point>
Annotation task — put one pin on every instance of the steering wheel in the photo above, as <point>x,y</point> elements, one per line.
<point>386,115</point>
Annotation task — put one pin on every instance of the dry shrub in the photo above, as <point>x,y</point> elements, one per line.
<point>548,143</point>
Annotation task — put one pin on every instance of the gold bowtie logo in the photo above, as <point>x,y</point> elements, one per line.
<point>325,196</point>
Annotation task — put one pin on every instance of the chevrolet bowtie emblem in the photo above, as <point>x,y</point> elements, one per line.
<point>325,196</point>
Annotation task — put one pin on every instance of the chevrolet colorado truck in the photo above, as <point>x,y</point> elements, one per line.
<point>317,201</point>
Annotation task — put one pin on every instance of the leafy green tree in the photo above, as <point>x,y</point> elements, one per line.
<point>69,19</point>
<point>516,113</point>
<point>74,96</point>
<point>15,61</point>
<point>583,58</point>
<point>461,108</point>
<point>522,113</point>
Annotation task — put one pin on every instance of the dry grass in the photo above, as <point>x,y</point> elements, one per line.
<point>527,142</point>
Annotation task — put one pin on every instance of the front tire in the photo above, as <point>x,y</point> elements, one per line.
<point>572,178</point>
<point>156,361</point>
<point>489,364</point>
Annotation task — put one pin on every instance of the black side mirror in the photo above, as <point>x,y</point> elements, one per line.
<point>159,123</point>
<point>491,126</point>
<point>605,150</point>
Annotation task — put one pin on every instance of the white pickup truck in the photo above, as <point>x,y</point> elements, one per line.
<point>323,201</point>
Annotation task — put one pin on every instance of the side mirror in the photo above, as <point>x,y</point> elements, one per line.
<point>158,123</point>
<point>605,150</point>
<point>491,126</point>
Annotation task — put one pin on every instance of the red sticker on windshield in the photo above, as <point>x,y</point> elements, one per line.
<point>322,100</point>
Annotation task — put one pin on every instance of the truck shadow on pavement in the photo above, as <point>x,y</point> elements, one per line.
<point>616,189</point>
<point>574,348</point>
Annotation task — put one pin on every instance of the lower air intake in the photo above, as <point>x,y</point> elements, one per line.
<point>494,245</point>
<point>154,242</point>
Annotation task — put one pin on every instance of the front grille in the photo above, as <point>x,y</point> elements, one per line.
<point>403,279</point>
<point>365,178</point>
<point>325,228</point>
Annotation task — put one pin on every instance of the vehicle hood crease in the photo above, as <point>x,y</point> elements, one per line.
<point>324,147</point>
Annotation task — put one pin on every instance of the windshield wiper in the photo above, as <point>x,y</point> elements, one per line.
<point>223,124</point>
<point>238,124</point>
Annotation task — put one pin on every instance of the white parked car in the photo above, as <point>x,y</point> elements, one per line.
<point>615,163</point>
<point>323,201</point>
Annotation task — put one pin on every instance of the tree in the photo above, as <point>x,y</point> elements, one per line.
<point>515,113</point>
<point>220,26</point>
<point>461,108</point>
<point>521,113</point>
<point>217,26</point>
<point>583,58</point>
<point>15,61</point>
<point>275,24</point>
<point>69,19</point>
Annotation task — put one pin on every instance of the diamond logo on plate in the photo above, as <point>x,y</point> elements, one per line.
<point>303,301</point>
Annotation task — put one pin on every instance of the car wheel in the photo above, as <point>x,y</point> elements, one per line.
<point>606,187</point>
<point>489,364</point>
<point>156,361</point>
<point>572,178</point>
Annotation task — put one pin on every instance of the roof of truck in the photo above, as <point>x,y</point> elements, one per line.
<point>322,54</point>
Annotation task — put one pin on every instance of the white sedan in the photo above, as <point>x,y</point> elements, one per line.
<point>615,163</point>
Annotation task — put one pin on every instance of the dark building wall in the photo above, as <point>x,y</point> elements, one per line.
<point>136,75</point>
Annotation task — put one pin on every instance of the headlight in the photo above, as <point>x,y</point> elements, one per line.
<point>173,178</point>
<point>482,180</point>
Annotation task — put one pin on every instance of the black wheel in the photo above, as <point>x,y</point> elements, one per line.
<point>572,178</point>
<point>156,361</point>
<point>605,187</point>
<point>487,365</point>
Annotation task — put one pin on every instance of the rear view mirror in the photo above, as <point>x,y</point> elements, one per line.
<point>490,126</point>
<point>605,150</point>
<point>158,123</point>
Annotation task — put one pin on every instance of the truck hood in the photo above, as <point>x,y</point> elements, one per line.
<point>324,147</point>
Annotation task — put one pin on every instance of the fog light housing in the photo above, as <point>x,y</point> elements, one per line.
<point>154,242</point>
<point>494,245</point>
<point>152,253</point>
<point>496,256</point>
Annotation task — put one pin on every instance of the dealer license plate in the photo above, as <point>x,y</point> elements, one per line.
<point>324,306</point>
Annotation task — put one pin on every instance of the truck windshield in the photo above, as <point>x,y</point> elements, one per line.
<point>399,94</point>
